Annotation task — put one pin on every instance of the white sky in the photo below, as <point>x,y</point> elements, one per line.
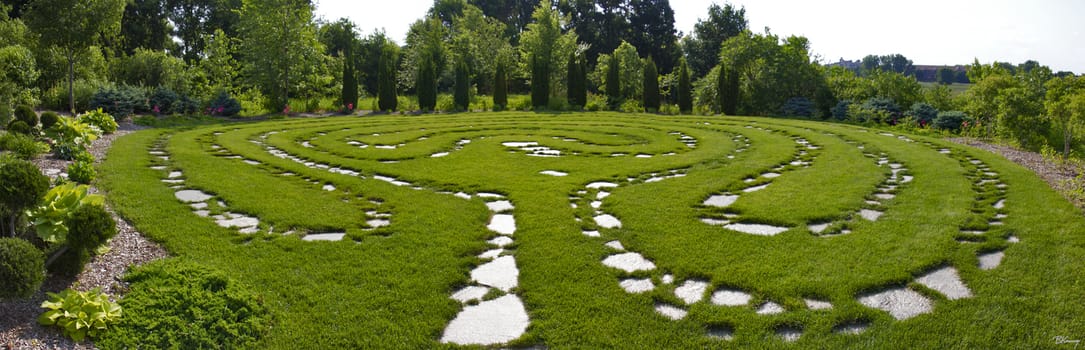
<point>931,32</point>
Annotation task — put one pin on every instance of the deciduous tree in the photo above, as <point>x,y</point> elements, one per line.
<point>278,46</point>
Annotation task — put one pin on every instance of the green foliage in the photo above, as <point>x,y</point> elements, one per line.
<point>80,315</point>
<point>56,98</point>
<point>728,90</point>
<point>685,96</point>
<point>22,146</point>
<point>21,186</point>
<point>18,73</point>
<point>279,48</point>
<point>614,81</point>
<point>89,227</point>
<point>153,69</point>
<point>461,91</point>
<point>427,85</point>
<point>50,219</point>
<point>26,115</point>
<point>543,50</point>
<point>71,136</point>
<point>386,98</point>
<point>48,119</point>
<point>349,95</point>
<point>22,268</point>
<point>501,98</point>
<point>577,89</point>
<point>19,127</point>
<point>225,106</point>
<point>99,119</point>
<point>176,304</point>
<point>949,120</point>
<point>121,101</point>
<point>540,82</point>
<point>923,113</point>
<point>82,169</point>
<point>798,107</point>
<point>703,47</point>
<point>651,86</point>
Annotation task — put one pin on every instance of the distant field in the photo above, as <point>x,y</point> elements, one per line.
<point>605,230</point>
<point>957,89</point>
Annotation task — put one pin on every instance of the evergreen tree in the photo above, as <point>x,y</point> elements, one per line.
<point>685,97</point>
<point>426,87</point>
<point>540,82</point>
<point>501,99</point>
<point>573,76</point>
<point>463,83</point>
<point>651,86</point>
<point>350,83</point>
<point>386,98</point>
<point>727,90</point>
<point>582,82</point>
<point>614,82</point>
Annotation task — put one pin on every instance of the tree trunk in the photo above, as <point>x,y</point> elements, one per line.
<point>71,81</point>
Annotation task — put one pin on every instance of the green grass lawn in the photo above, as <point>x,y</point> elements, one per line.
<point>940,206</point>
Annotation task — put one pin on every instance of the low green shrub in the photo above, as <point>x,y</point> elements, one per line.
<point>80,314</point>
<point>71,137</point>
<point>22,268</point>
<point>27,115</point>
<point>120,102</point>
<point>50,218</point>
<point>56,98</point>
<point>21,186</point>
<point>82,170</point>
<point>22,146</point>
<point>89,227</point>
<point>224,106</point>
<point>48,119</point>
<point>19,127</point>
<point>949,120</point>
<point>180,305</point>
<point>100,119</point>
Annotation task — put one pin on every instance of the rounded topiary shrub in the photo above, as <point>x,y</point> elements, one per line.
<point>27,115</point>
<point>176,304</point>
<point>224,105</point>
<point>19,127</point>
<point>90,226</point>
<point>48,119</point>
<point>22,268</point>
<point>21,186</point>
<point>950,120</point>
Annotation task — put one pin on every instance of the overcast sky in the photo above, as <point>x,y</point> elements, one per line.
<point>930,32</point>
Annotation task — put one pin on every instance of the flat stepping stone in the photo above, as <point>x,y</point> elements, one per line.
<point>490,322</point>
<point>629,262</point>
<point>672,312</point>
<point>47,171</point>
<point>602,194</point>
<point>990,261</point>
<point>721,200</point>
<point>192,196</point>
<point>730,297</point>
<point>721,333</point>
<point>643,156</point>
<point>946,281</point>
<point>814,304</point>
<point>770,308</point>
<point>770,175</point>
<point>375,223</point>
<point>489,195</point>
<point>1000,204</point>
<point>900,302</point>
<point>884,196</point>
<point>469,293</point>
<point>818,228</point>
<point>601,184</point>
<point>596,204</point>
<point>870,215</point>
<point>198,206</point>
<point>328,187</point>
<point>490,254</point>
<point>202,213</point>
<point>174,174</point>
<point>173,181</point>
<point>553,173</point>
<point>616,245</point>
<point>500,206</point>
<point>519,144</point>
<point>592,233</point>
<point>692,291</point>
<point>636,286</point>
<point>715,222</point>
<point>439,155</point>
<point>501,241</point>
<point>789,333</point>
<point>243,221</point>
<point>1013,239</point>
<point>757,229</point>
<point>313,237</point>
<point>607,221</point>
<point>501,273</point>
<point>502,223</point>
<point>755,188</point>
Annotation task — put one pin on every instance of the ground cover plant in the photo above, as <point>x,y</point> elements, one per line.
<point>605,230</point>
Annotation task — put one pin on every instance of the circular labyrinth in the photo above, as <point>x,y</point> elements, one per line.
<point>602,230</point>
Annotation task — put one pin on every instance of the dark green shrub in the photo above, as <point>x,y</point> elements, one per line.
<point>840,111</point>
<point>22,268</point>
<point>27,115</point>
<point>89,226</point>
<point>172,304</point>
<point>19,127</point>
<point>21,186</point>
<point>685,97</point>
<point>120,102</point>
<point>651,87</point>
<point>798,107</point>
<point>225,106</point>
<point>48,119</point>
<point>82,170</point>
<point>162,101</point>
<point>461,93</point>
<point>501,97</point>
<point>949,120</point>
<point>923,113</point>
<point>22,146</point>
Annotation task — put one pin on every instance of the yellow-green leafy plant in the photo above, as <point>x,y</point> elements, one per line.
<point>59,203</point>
<point>80,314</point>
<point>71,136</point>
<point>100,119</point>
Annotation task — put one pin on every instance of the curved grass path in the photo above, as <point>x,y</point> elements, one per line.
<point>629,231</point>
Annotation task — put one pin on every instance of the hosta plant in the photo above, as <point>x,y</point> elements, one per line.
<point>59,203</point>
<point>100,119</point>
<point>80,314</point>
<point>71,136</point>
